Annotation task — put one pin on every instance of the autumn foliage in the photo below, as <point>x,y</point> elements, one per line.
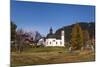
<point>76,37</point>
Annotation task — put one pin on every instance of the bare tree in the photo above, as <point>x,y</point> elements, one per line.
<point>19,40</point>
<point>37,37</point>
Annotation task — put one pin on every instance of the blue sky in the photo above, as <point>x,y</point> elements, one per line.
<point>40,17</point>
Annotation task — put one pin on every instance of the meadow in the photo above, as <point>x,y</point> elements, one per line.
<point>50,55</point>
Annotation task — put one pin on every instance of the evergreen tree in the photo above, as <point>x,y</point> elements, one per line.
<point>76,37</point>
<point>13,31</point>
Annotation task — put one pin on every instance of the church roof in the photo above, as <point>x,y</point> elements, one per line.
<point>53,36</point>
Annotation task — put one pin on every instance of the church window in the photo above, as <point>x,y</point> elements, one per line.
<point>50,42</point>
<point>53,40</point>
<point>60,42</point>
<point>56,42</point>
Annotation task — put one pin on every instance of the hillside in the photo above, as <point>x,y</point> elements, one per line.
<point>84,25</point>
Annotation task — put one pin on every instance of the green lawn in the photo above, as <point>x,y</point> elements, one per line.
<point>49,55</point>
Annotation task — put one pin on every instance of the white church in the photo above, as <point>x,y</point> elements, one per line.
<point>52,40</point>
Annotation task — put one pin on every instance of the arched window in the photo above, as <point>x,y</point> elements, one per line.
<point>60,42</point>
<point>50,42</point>
<point>56,42</point>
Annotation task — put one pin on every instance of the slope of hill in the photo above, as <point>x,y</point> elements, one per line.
<point>84,25</point>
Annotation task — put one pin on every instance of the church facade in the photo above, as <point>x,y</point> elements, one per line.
<point>52,40</point>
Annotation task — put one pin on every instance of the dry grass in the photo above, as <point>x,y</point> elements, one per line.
<point>37,56</point>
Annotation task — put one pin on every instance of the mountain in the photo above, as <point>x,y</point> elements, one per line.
<point>90,26</point>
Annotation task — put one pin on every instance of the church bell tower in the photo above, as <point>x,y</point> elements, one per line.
<point>51,31</point>
<point>62,37</point>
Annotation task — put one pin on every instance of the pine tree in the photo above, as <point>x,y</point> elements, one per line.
<point>13,31</point>
<point>77,37</point>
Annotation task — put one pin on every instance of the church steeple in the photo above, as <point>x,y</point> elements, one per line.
<point>51,31</point>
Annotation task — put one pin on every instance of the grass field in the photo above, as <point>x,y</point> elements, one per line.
<point>50,55</point>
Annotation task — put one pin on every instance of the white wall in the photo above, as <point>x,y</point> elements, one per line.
<point>50,40</point>
<point>54,42</point>
<point>62,37</point>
